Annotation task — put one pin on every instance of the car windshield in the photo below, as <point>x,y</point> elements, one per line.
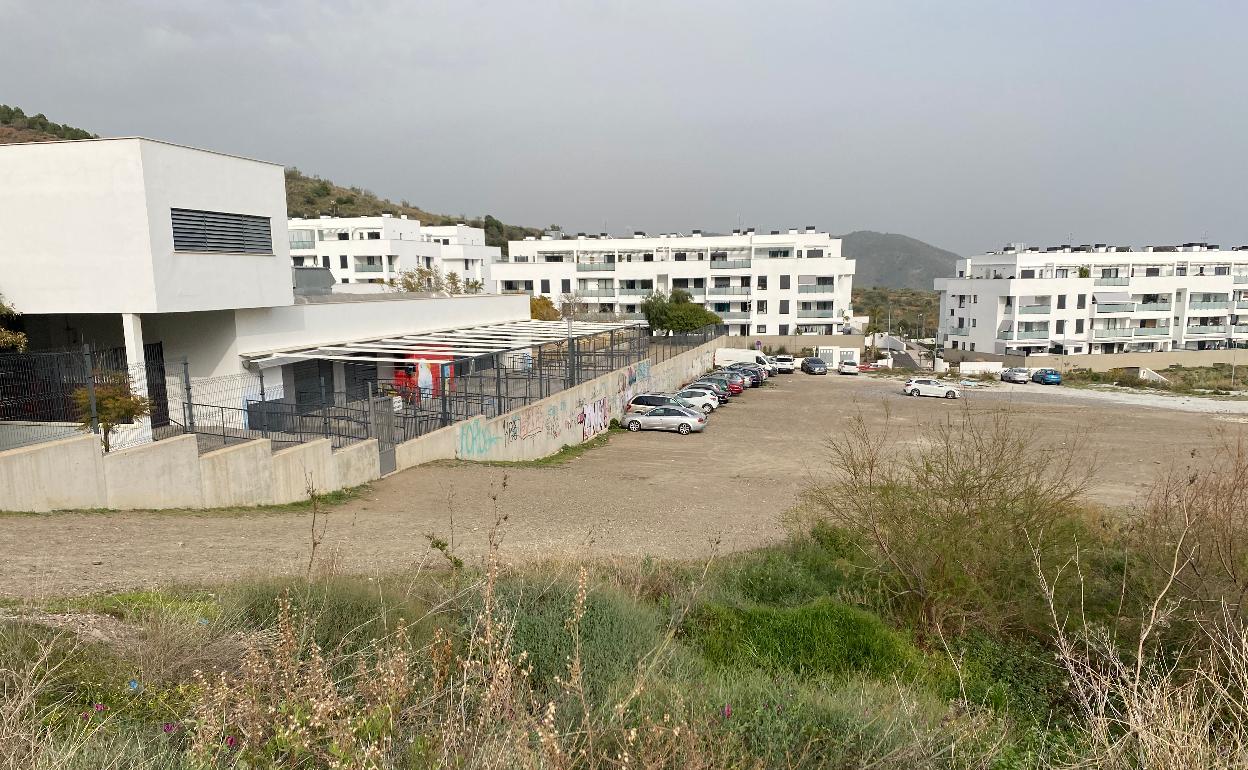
<point>814,361</point>
<point>682,402</point>
<point>785,359</point>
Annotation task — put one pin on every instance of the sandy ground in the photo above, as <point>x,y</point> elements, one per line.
<point>656,494</point>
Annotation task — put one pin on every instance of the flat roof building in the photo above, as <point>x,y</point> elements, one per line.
<point>1095,299</point>
<point>775,283</point>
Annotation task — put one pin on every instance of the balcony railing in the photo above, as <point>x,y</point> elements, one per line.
<point>728,290</point>
<point>596,292</point>
<point>1240,278</point>
<point>1215,305</point>
<point>1239,329</point>
<point>1153,307</point>
<point>631,316</point>
<point>362,268</point>
<point>1152,331</point>
<point>1108,281</point>
<point>818,288</point>
<point>733,315</point>
<point>592,267</point>
<point>1115,307</point>
<point>1241,304</point>
<point>638,292</point>
<point>1034,309</point>
<point>1215,329</point>
<point>1099,334</point>
<point>1037,334</point>
<point>303,244</point>
<point>957,331</point>
<point>691,289</point>
<point>818,314</point>
<point>729,264</point>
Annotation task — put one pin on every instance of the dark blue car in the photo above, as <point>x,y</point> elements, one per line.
<point>1047,377</point>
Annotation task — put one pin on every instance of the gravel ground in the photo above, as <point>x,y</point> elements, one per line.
<point>654,494</point>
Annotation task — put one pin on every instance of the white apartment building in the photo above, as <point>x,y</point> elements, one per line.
<point>376,249</point>
<point>1096,299</point>
<point>792,282</point>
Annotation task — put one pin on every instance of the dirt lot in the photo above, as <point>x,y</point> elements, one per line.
<point>642,494</point>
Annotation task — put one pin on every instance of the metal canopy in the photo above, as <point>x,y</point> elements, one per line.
<point>468,342</point>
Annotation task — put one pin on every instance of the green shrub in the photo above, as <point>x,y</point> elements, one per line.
<point>616,632</point>
<point>821,638</point>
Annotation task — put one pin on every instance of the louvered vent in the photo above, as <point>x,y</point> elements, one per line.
<point>216,231</point>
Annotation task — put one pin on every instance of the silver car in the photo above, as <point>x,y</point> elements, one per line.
<point>683,421</point>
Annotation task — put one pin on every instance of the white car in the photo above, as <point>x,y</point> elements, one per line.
<point>785,364</point>
<point>922,386</point>
<point>847,367</point>
<point>702,399</point>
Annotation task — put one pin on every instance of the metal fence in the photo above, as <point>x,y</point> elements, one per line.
<point>413,399</point>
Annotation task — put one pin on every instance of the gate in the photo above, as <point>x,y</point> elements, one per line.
<point>381,426</point>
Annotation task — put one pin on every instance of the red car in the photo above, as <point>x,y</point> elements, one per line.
<point>735,388</point>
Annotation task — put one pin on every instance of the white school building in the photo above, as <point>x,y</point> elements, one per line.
<point>792,282</point>
<point>1096,299</point>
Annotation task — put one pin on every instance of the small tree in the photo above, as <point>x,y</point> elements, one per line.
<point>422,279</point>
<point>453,283</point>
<point>473,286</point>
<point>8,338</point>
<point>115,404</point>
<point>676,313</point>
<point>571,305</point>
<point>542,309</point>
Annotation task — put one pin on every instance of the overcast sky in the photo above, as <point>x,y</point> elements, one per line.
<point>966,124</point>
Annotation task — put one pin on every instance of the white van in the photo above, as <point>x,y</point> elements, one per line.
<point>725,356</point>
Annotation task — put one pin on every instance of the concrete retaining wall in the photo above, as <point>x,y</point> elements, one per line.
<point>164,474</point>
<point>237,475</point>
<point>795,343</point>
<point>356,464</point>
<point>296,468</point>
<point>52,476</point>
<point>438,445</point>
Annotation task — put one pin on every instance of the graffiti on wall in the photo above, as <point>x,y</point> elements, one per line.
<point>475,439</point>
<point>524,424</point>
<point>595,417</point>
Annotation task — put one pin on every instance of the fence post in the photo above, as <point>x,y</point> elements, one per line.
<point>371,423</point>
<point>95,415</point>
<point>262,385</point>
<point>498,388</point>
<point>186,390</point>
<point>324,410</point>
<point>541,373</point>
<point>446,397</point>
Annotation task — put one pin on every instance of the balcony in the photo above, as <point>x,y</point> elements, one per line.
<point>1215,305</point>
<point>360,267</point>
<point>818,314</point>
<point>1152,331</point>
<point>691,289</point>
<point>1037,334</point>
<point>729,264</point>
<point>1153,307</point>
<point>593,267</point>
<point>956,331</point>
<point>642,292</point>
<point>1236,278</point>
<point>1115,307</point>
<point>1217,329</point>
<point>728,290</point>
<point>595,292</point>
<point>818,288</point>
<point>1034,309</point>
<point>307,245</point>
<point>733,315</point>
<point>1108,281</point>
<point>1100,334</point>
<point>1239,329</point>
<point>1241,304</point>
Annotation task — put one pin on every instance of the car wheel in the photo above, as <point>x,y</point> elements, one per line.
<point>684,429</point>
<point>634,425</point>
<point>707,408</point>
<point>951,394</point>
<point>914,392</point>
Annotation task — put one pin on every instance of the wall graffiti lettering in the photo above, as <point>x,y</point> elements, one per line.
<point>526,424</point>
<point>475,439</point>
<point>595,418</point>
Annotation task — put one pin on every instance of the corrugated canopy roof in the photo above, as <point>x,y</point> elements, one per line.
<point>467,342</point>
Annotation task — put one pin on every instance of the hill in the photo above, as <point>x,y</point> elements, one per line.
<point>895,261</point>
<point>306,196</point>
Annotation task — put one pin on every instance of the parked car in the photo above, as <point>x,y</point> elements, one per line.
<point>1016,375</point>
<point>732,385</point>
<point>718,387</point>
<point>677,418</point>
<point>812,365</point>
<point>732,375</point>
<point>762,370</point>
<point>753,376</point>
<point>1047,377</point>
<point>922,386</point>
<point>702,399</point>
<point>785,364</point>
<point>847,367</point>
<point>647,401</point>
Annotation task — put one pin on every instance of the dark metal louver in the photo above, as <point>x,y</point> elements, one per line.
<point>219,232</point>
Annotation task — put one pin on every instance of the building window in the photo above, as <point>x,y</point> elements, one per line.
<point>566,286</point>
<point>342,261</point>
<point>220,232</point>
<point>1061,327</point>
<point>1081,301</point>
<point>784,328</point>
<point>972,347</point>
<point>972,323</point>
<point>325,261</point>
<point>784,282</point>
<point>1078,326</point>
<point>371,260</point>
<point>814,253</point>
<point>1061,301</point>
<point>762,282</point>
<point>374,236</point>
<point>1027,274</point>
<point>777,253</point>
<point>760,329</point>
<point>346,280</point>
<point>545,286</point>
<point>760,306</point>
<point>784,307</point>
<point>679,256</point>
<point>297,261</point>
<point>344,237</point>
